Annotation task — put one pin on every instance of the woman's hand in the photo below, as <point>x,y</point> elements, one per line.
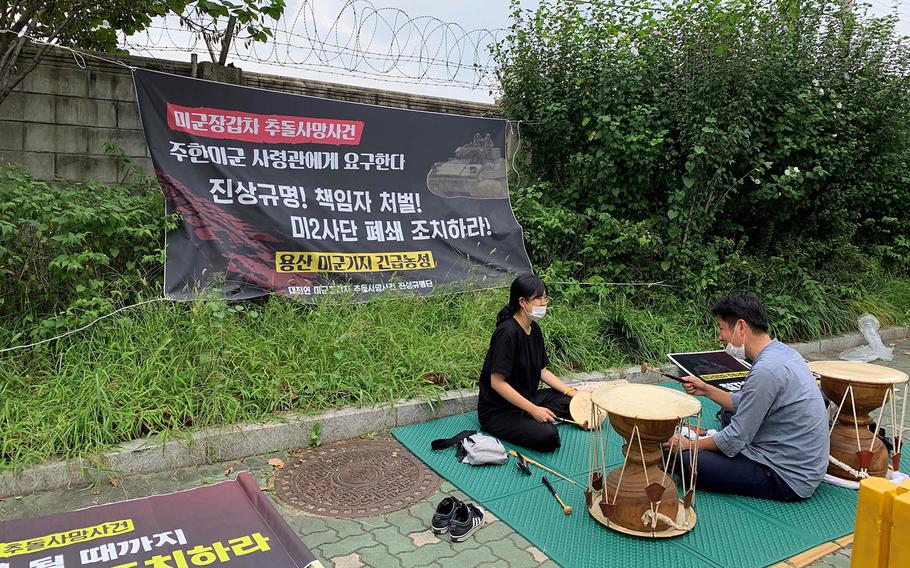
<point>542,414</point>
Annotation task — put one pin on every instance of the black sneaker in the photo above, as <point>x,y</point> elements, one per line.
<point>443,515</point>
<point>467,519</point>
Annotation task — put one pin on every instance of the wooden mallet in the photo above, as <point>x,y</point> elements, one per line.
<point>645,369</point>
<point>565,508</point>
<point>515,454</point>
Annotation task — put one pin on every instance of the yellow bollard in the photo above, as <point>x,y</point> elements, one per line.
<point>899,553</point>
<point>873,523</point>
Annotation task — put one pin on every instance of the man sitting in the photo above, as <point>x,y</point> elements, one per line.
<point>774,440</point>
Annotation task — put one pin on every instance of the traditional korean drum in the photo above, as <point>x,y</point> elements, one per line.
<point>859,389</point>
<point>580,405</point>
<point>640,497</point>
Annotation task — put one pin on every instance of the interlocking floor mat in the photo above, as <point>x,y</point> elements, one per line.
<point>731,532</point>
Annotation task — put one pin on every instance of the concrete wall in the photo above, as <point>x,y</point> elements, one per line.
<point>57,120</point>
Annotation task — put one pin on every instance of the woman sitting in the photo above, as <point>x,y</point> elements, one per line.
<point>511,406</point>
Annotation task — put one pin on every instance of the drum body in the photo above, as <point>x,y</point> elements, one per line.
<point>639,497</point>
<point>858,389</point>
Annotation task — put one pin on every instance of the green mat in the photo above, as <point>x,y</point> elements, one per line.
<point>732,531</point>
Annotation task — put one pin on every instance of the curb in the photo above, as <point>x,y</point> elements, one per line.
<point>848,341</point>
<point>226,443</point>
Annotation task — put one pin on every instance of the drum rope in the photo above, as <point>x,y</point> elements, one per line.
<point>878,424</point>
<point>604,442</point>
<point>693,460</point>
<point>641,451</point>
<point>900,442</point>
<point>859,445</point>
<point>651,518</point>
<point>644,466</point>
<point>592,445</point>
<point>622,471</point>
<point>677,432</point>
<point>839,408</point>
<point>847,468</point>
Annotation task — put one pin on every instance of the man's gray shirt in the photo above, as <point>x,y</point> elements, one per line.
<point>780,419</point>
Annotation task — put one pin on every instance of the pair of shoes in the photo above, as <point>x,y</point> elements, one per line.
<point>460,520</point>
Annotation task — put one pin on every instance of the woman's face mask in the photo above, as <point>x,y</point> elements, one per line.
<point>537,312</point>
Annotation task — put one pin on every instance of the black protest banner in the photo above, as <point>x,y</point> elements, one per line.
<point>303,196</point>
<point>230,524</point>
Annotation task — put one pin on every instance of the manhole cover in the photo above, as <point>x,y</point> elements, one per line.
<point>358,478</point>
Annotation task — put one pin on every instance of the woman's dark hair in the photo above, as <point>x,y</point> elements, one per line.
<point>527,286</point>
<point>745,306</point>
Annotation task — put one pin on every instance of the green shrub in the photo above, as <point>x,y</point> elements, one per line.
<point>676,144</point>
<point>71,252</point>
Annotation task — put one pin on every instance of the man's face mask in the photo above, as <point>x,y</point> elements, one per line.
<point>731,349</point>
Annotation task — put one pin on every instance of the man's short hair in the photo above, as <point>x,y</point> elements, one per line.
<point>744,306</point>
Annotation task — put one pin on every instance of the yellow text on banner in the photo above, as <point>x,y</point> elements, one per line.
<point>722,376</point>
<point>57,540</point>
<point>353,262</point>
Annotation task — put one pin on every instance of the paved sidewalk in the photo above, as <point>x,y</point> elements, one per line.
<point>399,539</point>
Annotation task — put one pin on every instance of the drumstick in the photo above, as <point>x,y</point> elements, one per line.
<point>515,454</point>
<point>645,369</point>
<point>565,508</point>
<point>567,421</point>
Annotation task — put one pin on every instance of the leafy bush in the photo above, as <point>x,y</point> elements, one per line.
<point>678,144</point>
<point>70,252</point>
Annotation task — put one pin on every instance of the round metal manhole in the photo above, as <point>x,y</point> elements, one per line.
<point>357,478</point>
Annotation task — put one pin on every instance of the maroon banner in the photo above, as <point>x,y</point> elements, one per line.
<point>231,524</point>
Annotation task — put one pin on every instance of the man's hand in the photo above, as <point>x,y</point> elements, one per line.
<point>679,442</point>
<point>698,387</point>
<point>542,414</point>
<point>695,386</point>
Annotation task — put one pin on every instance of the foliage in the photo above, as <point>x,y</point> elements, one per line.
<point>72,252</point>
<point>687,143</point>
<point>168,367</point>
<point>90,24</point>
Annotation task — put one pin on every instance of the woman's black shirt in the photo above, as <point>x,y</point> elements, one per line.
<point>517,356</point>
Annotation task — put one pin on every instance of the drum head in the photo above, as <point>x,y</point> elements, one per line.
<point>580,405</point>
<point>648,402</point>
<point>858,372</point>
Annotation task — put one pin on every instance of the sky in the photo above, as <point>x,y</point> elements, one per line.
<point>422,37</point>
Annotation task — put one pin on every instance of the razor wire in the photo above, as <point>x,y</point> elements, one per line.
<point>359,39</point>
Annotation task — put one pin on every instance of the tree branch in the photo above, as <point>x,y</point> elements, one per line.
<point>226,41</point>
<point>210,46</point>
<point>194,26</point>
<point>26,19</point>
<point>9,80</point>
<point>7,15</point>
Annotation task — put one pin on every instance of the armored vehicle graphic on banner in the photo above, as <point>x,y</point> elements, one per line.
<point>478,171</point>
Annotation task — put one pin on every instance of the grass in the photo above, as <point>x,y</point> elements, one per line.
<point>167,368</point>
